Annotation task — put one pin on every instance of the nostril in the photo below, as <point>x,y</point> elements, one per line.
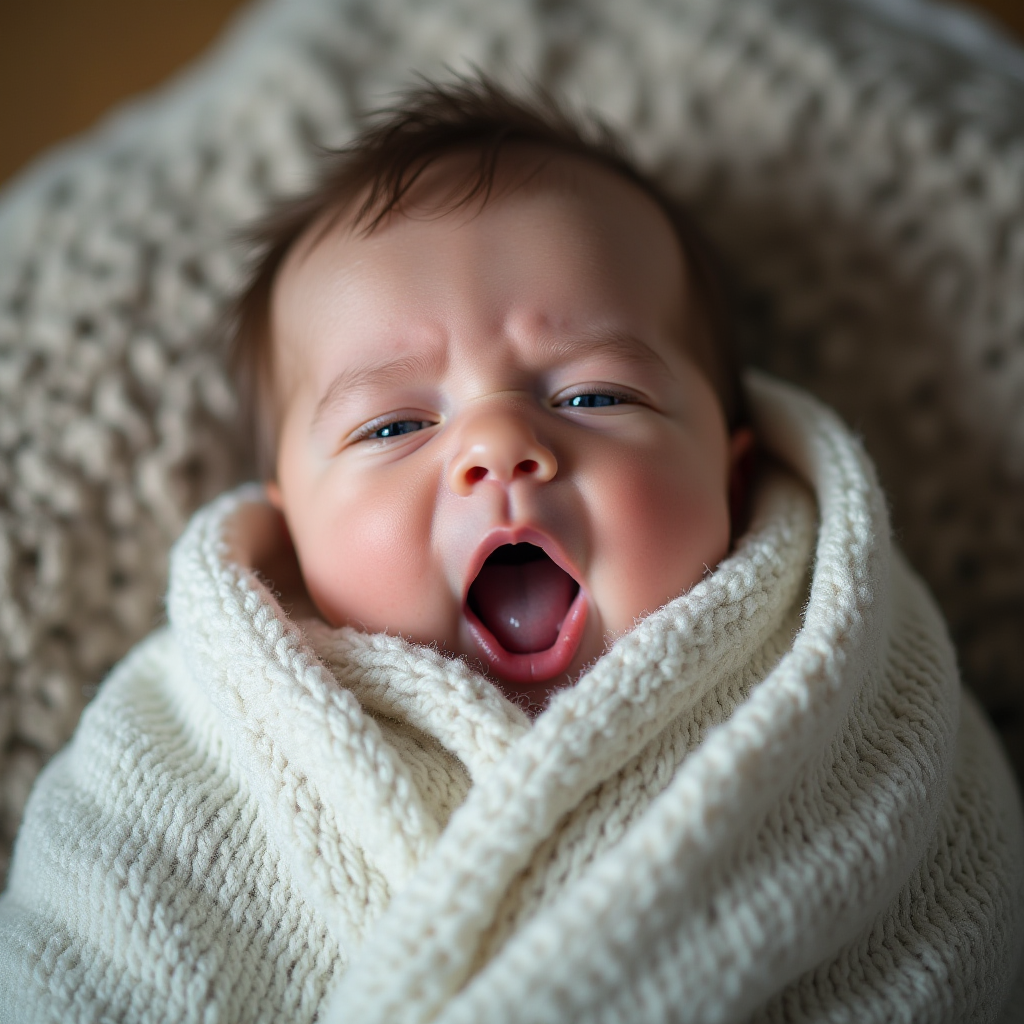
<point>476,474</point>
<point>527,466</point>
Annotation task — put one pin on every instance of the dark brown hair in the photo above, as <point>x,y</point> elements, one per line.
<point>382,163</point>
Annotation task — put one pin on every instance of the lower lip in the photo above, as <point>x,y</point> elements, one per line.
<point>537,667</point>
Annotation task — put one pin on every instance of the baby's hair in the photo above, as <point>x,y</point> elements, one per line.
<point>385,159</point>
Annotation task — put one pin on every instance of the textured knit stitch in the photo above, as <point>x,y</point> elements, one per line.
<point>768,801</point>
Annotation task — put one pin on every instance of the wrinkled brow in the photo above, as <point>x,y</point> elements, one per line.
<point>425,366</point>
<point>619,345</point>
<point>357,380</point>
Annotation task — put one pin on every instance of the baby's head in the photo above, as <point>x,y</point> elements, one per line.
<point>491,388</point>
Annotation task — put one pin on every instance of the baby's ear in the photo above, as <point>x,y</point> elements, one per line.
<point>742,450</point>
<point>274,494</point>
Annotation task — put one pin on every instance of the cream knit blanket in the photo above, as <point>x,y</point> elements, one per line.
<point>768,801</point>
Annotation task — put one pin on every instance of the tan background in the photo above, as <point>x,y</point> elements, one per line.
<point>64,62</point>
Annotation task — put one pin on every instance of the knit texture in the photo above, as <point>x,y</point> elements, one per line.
<point>769,801</point>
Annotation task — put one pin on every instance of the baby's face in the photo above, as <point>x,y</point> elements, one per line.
<point>493,438</point>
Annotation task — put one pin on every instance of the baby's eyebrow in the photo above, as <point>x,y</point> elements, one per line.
<point>356,379</point>
<point>614,343</point>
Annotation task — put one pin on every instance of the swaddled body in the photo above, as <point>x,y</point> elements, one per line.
<point>769,799</point>
<point>507,459</point>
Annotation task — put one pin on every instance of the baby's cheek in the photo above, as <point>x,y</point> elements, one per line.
<point>372,569</point>
<point>661,527</point>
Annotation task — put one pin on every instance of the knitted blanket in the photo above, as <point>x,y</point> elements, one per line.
<point>769,800</point>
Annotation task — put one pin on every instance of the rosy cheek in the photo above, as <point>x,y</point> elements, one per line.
<point>371,566</point>
<point>661,526</point>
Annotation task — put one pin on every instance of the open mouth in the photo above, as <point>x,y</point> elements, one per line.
<point>526,612</point>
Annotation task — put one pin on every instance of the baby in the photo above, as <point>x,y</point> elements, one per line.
<point>494,392</point>
<point>487,370</point>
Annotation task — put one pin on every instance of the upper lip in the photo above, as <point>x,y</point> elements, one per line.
<point>502,535</point>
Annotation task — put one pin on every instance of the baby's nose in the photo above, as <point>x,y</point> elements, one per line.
<point>502,447</point>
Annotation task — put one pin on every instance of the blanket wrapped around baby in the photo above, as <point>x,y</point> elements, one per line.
<point>768,801</point>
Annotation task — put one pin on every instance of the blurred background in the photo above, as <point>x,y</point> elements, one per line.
<point>64,63</point>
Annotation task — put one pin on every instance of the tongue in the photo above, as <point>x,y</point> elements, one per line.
<point>523,605</point>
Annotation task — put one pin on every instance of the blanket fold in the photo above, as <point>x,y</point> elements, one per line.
<point>768,801</point>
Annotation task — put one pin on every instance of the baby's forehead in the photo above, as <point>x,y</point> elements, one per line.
<point>559,240</point>
<point>540,203</point>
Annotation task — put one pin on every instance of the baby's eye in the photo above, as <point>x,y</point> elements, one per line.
<point>599,398</point>
<point>397,427</point>
<point>595,401</point>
